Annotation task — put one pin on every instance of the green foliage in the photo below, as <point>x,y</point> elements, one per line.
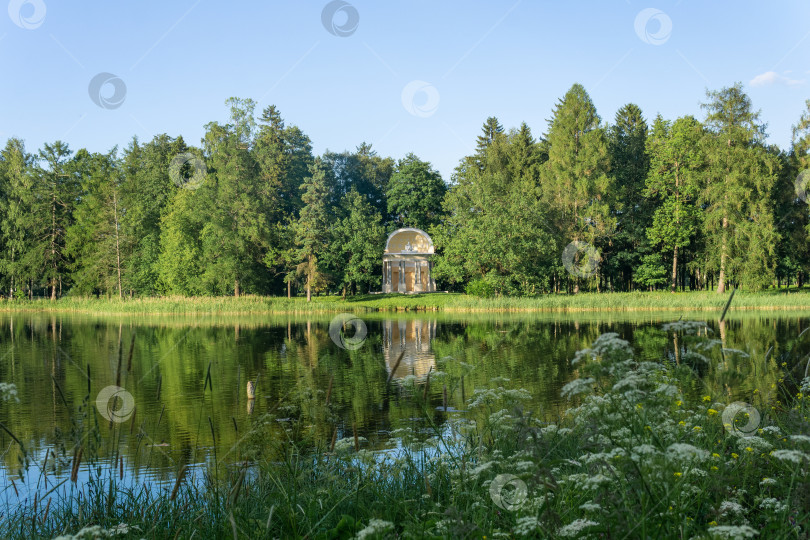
<point>415,194</point>
<point>711,201</point>
<point>676,162</point>
<point>312,228</point>
<point>575,186</point>
<point>480,238</point>
<point>480,287</point>
<point>651,273</point>
<point>629,166</point>
<point>354,253</point>
<point>738,216</point>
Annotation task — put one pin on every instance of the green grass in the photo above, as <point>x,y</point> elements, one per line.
<point>645,451</point>
<point>447,302</point>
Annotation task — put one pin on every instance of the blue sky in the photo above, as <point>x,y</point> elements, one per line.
<point>181,60</point>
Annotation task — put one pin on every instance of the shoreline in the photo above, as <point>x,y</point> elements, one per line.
<point>450,303</point>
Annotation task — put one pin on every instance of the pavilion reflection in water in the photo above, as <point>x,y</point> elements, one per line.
<point>413,336</point>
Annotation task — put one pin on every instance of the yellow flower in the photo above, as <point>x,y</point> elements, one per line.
<point>799,395</point>
<point>713,523</point>
<point>696,428</point>
<point>639,406</point>
<point>678,475</point>
<point>648,428</point>
<point>707,398</point>
<point>735,456</point>
<point>784,364</point>
<point>681,423</point>
<point>714,467</point>
<point>711,412</point>
<point>756,390</point>
<point>715,455</point>
<point>679,403</point>
<point>749,449</point>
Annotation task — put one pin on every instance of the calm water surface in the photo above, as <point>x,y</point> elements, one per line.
<point>185,399</point>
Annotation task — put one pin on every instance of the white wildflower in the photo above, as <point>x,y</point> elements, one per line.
<point>590,507</point>
<point>757,443</point>
<point>767,482</point>
<point>8,392</point>
<point>97,531</point>
<point>732,531</point>
<point>577,386</point>
<point>643,451</point>
<point>374,528</point>
<point>730,507</point>
<point>772,430</point>
<point>575,528</point>
<point>686,452</point>
<point>688,327</point>
<point>526,526</point>
<point>800,438</point>
<point>773,504</point>
<point>790,455</point>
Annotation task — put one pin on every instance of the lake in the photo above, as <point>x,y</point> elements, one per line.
<point>142,396</point>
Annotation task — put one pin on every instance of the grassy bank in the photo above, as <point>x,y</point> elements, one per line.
<point>645,450</point>
<point>255,305</point>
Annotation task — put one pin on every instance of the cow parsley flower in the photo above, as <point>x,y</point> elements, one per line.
<point>686,452</point>
<point>575,528</point>
<point>577,386</point>
<point>375,527</point>
<point>773,504</point>
<point>790,455</point>
<point>736,532</point>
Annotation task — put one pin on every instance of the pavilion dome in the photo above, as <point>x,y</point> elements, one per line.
<point>409,240</point>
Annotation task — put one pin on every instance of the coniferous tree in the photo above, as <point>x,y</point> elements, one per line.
<point>53,196</point>
<point>629,164</point>
<point>576,186</point>
<point>16,189</point>
<point>312,229</point>
<point>740,175</point>
<point>492,129</point>
<point>95,240</point>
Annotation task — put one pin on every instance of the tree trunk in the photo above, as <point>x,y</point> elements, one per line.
<point>289,289</point>
<point>53,246</point>
<point>674,268</point>
<point>721,279</point>
<point>309,291</point>
<point>117,246</point>
<point>236,287</point>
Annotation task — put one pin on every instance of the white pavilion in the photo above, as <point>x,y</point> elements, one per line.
<point>406,262</point>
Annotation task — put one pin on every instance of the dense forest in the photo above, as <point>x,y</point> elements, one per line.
<point>682,204</point>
